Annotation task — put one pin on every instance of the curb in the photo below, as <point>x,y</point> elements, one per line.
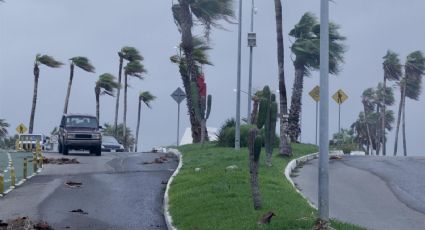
<point>168,218</point>
<point>296,162</point>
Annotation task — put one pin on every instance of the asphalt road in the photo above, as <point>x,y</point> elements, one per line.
<point>118,191</point>
<point>382,193</point>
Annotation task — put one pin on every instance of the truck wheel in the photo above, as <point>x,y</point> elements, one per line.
<point>65,150</point>
<point>98,151</point>
<point>60,148</point>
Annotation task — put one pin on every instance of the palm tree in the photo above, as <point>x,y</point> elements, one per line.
<point>129,54</point>
<point>3,128</point>
<point>410,87</point>
<point>106,85</point>
<point>82,63</point>
<point>134,69</point>
<point>40,60</point>
<point>285,146</point>
<point>384,97</point>
<point>392,72</point>
<point>208,13</point>
<point>306,49</point>
<point>368,99</point>
<point>145,97</point>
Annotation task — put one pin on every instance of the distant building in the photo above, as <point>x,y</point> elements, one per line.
<point>187,136</point>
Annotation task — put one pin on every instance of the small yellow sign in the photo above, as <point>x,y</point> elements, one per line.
<point>21,129</point>
<point>340,97</point>
<point>315,93</point>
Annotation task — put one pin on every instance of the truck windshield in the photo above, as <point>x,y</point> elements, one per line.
<point>79,121</point>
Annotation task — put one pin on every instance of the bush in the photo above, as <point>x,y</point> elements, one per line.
<point>226,134</point>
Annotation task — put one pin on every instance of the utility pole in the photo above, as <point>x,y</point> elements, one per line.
<point>238,90</point>
<point>251,44</point>
<point>324,113</point>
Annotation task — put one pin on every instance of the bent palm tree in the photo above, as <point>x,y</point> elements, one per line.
<point>306,49</point>
<point>82,63</point>
<point>208,13</point>
<point>368,99</point>
<point>134,69</point>
<point>106,85</point>
<point>3,128</point>
<point>392,72</point>
<point>129,54</point>
<point>40,60</point>
<point>145,97</point>
<point>410,87</point>
<point>285,146</point>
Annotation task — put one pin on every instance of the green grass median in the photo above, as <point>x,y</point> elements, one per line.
<point>215,198</point>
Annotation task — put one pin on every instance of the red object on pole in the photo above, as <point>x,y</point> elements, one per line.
<point>200,80</point>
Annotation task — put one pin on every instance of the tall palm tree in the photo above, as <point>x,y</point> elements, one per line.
<point>368,99</point>
<point>410,87</point>
<point>384,97</point>
<point>134,69</point>
<point>130,54</point>
<point>208,13</point>
<point>40,60</point>
<point>392,72</point>
<point>106,85</point>
<point>306,49</point>
<point>145,97</point>
<point>3,128</point>
<point>285,146</point>
<point>82,63</point>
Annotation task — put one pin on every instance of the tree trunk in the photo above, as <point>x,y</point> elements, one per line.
<point>254,111</point>
<point>404,125</point>
<point>203,130</point>
<point>383,133</point>
<point>296,105</point>
<point>117,105</point>
<point>400,109</point>
<point>138,124</point>
<point>125,112</point>
<point>71,77</point>
<point>253,169</point>
<point>285,145</point>
<point>369,136</point>
<point>378,132</point>
<point>34,98</point>
<point>97,92</point>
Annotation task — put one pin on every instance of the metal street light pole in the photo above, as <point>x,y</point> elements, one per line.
<point>324,113</point>
<point>238,93</point>
<point>251,50</point>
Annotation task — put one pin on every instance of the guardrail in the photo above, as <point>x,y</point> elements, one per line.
<point>17,170</point>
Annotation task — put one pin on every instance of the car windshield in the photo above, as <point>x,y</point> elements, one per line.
<point>109,140</point>
<point>79,121</point>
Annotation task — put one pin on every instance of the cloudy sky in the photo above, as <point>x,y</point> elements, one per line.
<point>98,29</point>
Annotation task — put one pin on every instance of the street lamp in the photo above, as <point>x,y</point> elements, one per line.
<point>252,42</point>
<point>238,93</point>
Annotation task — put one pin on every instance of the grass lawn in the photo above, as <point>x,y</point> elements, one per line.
<point>218,199</point>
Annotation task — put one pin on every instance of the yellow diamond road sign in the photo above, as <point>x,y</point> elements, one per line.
<point>340,97</point>
<point>315,93</point>
<point>21,129</point>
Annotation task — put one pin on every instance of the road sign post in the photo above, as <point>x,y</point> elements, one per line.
<point>339,97</point>
<point>178,95</point>
<point>315,94</point>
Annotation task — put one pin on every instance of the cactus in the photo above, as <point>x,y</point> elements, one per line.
<point>202,108</point>
<point>267,118</point>
<point>255,143</point>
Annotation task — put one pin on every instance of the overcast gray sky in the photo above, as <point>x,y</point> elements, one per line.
<point>98,29</point>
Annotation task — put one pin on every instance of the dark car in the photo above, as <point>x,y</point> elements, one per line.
<point>110,144</point>
<point>79,132</point>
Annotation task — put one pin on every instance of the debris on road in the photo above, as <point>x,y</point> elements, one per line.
<point>159,160</point>
<point>266,218</point>
<point>335,157</point>
<point>24,223</point>
<point>79,211</point>
<point>164,182</point>
<point>73,184</point>
<point>60,161</point>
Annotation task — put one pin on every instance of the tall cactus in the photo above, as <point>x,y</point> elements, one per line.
<point>267,117</point>
<point>255,143</point>
<point>202,108</point>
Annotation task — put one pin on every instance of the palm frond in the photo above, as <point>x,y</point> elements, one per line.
<point>48,61</point>
<point>107,83</point>
<point>146,97</point>
<point>83,63</point>
<point>135,69</point>
<point>414,71</point>
<point>392,66</point>
<point>131,54</point>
